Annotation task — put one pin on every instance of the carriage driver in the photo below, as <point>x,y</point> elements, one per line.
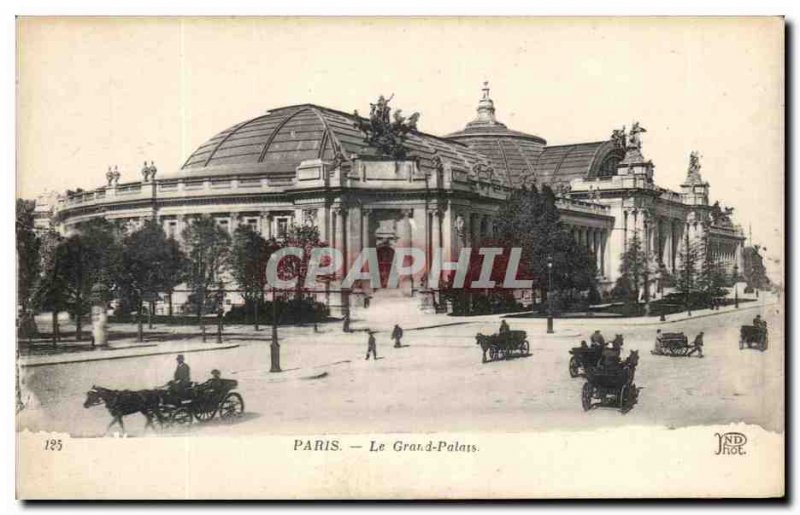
<point>659,340</point>
<point>597,339</point>
<point>181,379</point>
<point>504,328</point>
<point>758,323</point>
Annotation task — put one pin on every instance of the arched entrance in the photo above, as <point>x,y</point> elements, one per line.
<point>385,258</point>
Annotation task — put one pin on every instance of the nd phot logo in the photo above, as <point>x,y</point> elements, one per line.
<point>731,443</point>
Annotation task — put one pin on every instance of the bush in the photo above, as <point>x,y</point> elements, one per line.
<point>623,289</point>
<point>466,303</point>
<point>594,296</point>
<point>291,311</point>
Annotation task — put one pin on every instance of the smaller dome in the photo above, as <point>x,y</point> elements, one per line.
<point>512,152</point>
<point>486,124</point>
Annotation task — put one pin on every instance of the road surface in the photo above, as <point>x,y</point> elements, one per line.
<point>438,383</point>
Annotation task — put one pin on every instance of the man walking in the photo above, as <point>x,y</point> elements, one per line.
<point>698,345</point>
<point>397,335</point>
<point>371,348</point>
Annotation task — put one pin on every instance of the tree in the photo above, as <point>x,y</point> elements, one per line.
<point>209,248</point>
<point>686,283</point>
<point>28,267</point>
<point>710,276</point>
<point>530,220</point>
<point>51,290</point>
<point>632,269</point>
<point>753,270</point>
<point>90,257</point>
<point>176,266</point>
<point>151,263</point>
<point>305,237</point>
<point>248,263</point>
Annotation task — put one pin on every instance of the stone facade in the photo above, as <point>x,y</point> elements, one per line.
<point>310,165</point>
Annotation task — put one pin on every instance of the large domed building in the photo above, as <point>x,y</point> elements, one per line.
<point>308,164</point>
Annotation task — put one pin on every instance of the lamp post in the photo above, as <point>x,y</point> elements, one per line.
<point>736,286</point>
<point>550,295</point>
<point>345,294</point>
<point>646,269</point>
<point>274,346</point>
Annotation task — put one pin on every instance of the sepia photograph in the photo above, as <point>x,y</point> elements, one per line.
<point>366,247</point>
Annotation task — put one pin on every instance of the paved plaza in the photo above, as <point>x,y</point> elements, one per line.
<point>436,381</point>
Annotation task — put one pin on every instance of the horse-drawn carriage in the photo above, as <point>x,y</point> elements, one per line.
<point>674,344</point>
<point>611,385</point>
<point>583,358</point>
<point>503,345</point>
<point>172,405</point>
<point>201,402</point>
<point>752,336</point>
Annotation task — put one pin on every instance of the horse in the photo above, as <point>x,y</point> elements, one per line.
<point>125,402</point>
<point>485,342</point>
<point>630,364</point>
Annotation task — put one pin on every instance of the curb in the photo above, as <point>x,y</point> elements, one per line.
<point>106,358</point>
<point>705,315</point>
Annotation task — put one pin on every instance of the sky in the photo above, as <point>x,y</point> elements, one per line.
<point>94,92</point>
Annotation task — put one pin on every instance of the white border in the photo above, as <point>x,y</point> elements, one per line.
<point>788,8</point>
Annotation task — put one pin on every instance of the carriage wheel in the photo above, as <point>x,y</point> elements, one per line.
<point>204,415</point>
<point>492,354</point>
<point>231,407</point>
<point>526,348</point>
<point>181,417</point>
<point>574,367</point>
<point>623,394</point>
<point>741,343</point>
<point>586,396</point>
<point>162,417</point>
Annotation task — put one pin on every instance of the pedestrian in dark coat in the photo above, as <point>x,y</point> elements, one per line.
<point>698,345</point>
<point>397,335</point>
<point>371,347</point>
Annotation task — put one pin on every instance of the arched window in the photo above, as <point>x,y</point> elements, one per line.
<point>609,167</point>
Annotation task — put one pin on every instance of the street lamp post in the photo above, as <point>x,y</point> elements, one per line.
<point>550,295</point>
<point>345,294</point>
<point>646,269</point>
<point>736,286</point>
<point>274,346</point>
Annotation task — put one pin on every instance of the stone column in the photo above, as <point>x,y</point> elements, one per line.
<point>233,222</point>
<point>436,228</point>
<point>603,245</point>
<point>598,251</point>
<point>668,245</point>
<point>625,230</point>
<point>408,237</point>
<point>266,224</point>
<point>448,234</point>
<point>365,228</point>
<point>338,234</point>
<point>324,224</point>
